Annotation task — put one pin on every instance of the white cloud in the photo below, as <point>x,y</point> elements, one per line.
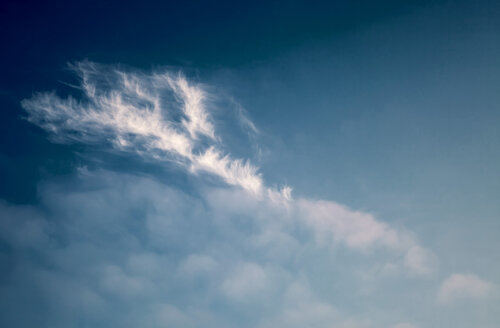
<point>246,280</point>
<point>355,229</point>
<point>463,287</point>
<point>132,251</point>
<point>197,119</point>
<point>163,116</point>
<point>420,260</point>
<point>136,112</point>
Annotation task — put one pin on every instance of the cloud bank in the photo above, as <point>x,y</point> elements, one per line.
<point>116,250</point>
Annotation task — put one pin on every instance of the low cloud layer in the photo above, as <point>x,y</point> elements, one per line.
<point>117,250</point>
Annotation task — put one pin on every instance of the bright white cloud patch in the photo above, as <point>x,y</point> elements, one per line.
<point>463,287</point>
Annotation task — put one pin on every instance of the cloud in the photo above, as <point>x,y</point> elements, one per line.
<point>162,115</point>
<point>23,226</point>
<point>197,264</point>
<point>301,308</point>
<point>420,260</point>
<point>245,120</point>
<point>144,253</point>
<point>127,251</point>
<point>355,229</point>
<point>159,115</point>
<point>246,280</point>
<point>463,287</point>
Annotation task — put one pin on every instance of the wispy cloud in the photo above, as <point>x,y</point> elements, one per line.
<point>158,115</point>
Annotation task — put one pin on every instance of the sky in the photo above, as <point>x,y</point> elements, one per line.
<point>262,164</point>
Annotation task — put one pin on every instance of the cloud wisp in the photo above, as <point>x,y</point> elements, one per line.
<point>159,115</point>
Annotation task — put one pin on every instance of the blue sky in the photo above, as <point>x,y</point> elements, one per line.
<point>250,165</point>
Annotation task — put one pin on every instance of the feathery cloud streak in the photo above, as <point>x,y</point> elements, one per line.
<point>159,115</point>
